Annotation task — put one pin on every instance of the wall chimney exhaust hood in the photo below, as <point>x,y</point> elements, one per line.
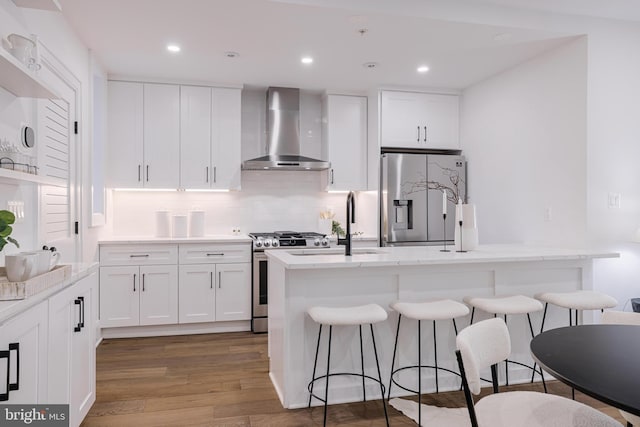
<point>283,130</point>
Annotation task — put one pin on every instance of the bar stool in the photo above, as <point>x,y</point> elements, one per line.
<point>444,309</point>
<point>509,305</point>
<point>577,300</point>
<point>346,316</point>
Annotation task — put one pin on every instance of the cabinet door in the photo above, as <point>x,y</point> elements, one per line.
<point>197,293</point>
<point>233,292</point>
<point>125,125</point>
<point>402,117</point>
<point>158,294</point>
<point>195,137</point>
<point>225,142</point>
<point>347,142</point>
<point>441,121</point>
<point>161,136</point>
<point>72,348</point>
<point>25,336</point>
<point>119,300</point>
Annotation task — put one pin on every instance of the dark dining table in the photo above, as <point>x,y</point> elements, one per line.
<point>602,361</point>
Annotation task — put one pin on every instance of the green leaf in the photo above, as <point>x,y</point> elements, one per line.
<point>7,216</point>
<point>14,241</point>
<point>6,231</point>
<point>2,243</point>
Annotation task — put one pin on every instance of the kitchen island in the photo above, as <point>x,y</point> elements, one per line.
<point>299,279</point>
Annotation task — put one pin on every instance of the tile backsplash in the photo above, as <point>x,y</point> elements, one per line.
<point>268,201</point>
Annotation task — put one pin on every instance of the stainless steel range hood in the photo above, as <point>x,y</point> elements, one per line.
<point>283,129</point>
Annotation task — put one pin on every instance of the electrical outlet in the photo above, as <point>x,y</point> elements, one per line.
<point>614,200</point>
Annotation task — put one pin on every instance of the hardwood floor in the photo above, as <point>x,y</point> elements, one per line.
<point>222,380</point>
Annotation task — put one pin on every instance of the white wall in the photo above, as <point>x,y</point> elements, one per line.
<point>524,134</point>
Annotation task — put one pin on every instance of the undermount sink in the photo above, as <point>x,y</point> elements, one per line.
<point>315,252</point>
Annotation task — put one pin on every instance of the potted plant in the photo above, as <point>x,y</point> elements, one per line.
<point>6,219</point>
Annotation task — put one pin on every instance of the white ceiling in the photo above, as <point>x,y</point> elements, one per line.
<point>130,36</point>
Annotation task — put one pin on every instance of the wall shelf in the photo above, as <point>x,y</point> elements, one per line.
<point>20,81</point>
<point>8,176</point>
<point>52,5</point>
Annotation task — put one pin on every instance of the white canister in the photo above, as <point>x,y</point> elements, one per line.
<point>196,223</point>
<point>163,226</point>
<point>469,229</point>
<point>179,226</point>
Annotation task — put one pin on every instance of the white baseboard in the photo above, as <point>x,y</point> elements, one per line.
<point>181,329</point>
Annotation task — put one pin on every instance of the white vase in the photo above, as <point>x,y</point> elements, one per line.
<point>469,228</point>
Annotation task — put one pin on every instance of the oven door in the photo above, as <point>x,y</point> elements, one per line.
<point>259,291</point>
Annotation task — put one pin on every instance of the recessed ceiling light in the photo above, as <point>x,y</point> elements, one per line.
<point>231,54</point>
<point>423,69</point>
<point>307,60</point>
<point>370,65</point>
<point>173,48</point>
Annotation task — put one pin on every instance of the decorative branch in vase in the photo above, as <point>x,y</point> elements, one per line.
<point>450,185</point>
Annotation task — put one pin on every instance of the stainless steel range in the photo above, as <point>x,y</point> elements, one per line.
<point>269,241</point>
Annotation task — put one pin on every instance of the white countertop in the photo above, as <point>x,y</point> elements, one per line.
<point>425,255</point>
<point>8,309</point>
<point>216,238</point>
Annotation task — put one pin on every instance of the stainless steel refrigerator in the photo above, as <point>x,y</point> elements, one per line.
<point>411,201</point>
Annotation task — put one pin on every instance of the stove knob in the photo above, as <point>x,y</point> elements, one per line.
<point>275,244</point>
<point>258,243</point>
<point>267,243</point>
<point>316,242</point>
<point>325,241</point>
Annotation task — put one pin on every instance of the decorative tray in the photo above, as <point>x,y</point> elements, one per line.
<point>22,290</point>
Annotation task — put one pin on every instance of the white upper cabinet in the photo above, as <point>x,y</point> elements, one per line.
<point>195,137</point>
<point>124,150</point>
<point>210,137</point>
<point>419,120</point>
<point>161,135</point>
<point>170,136</point>
<point>345,134</point>
<point>225,138</point>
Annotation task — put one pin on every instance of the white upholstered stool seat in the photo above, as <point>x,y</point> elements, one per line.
<point>578,300</point>
<point>514,304</point>
<point>531,409</point>
<point>359,315</point>
<point>444,309</point>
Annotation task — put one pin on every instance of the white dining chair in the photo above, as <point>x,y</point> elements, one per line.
<point>613,317</point>
<point>484,345</point>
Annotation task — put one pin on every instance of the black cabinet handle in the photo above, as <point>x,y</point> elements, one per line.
<point>147,173</point>
<point>212,280</point>
<point>331,176</point>
<point>134,282</point>
<point>14,346</point>
<point>425,134</point>
<point>4,354</point>
<point>139,167</point>
<point>207,174</point>
<point>418,134</point>
<point>81,311</point>
<point>139,256</point>
<point>219,279</point>
<point>143,283</point>
<point>215,176</point>
<point>216,254</point>
<point>78,327</point>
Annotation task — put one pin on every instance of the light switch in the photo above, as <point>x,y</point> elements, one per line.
<point>614,200</point>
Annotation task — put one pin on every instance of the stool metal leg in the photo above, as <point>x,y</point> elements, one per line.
<point>435,354</point>
<point>419,376</point>
<point>544,384</point>
<point>375,352</point>
<point>473,311</point>
<point>570,318</point>
<point>393,359</point>
<point>544,316</point>
<point>364,393</point>
<point>506,362</point>
<point>315,363</point>
<point>326,388</point>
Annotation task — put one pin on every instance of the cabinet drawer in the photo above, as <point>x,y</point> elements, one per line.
<point>214,253</point>
<point>138,254</point>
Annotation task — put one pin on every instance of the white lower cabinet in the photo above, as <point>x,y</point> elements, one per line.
<point>23,357</point>
<point>72,357</point>
<point>191,283</point>
<point>138,295</point>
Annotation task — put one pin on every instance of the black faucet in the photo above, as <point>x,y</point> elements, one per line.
<point>351,219</point>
